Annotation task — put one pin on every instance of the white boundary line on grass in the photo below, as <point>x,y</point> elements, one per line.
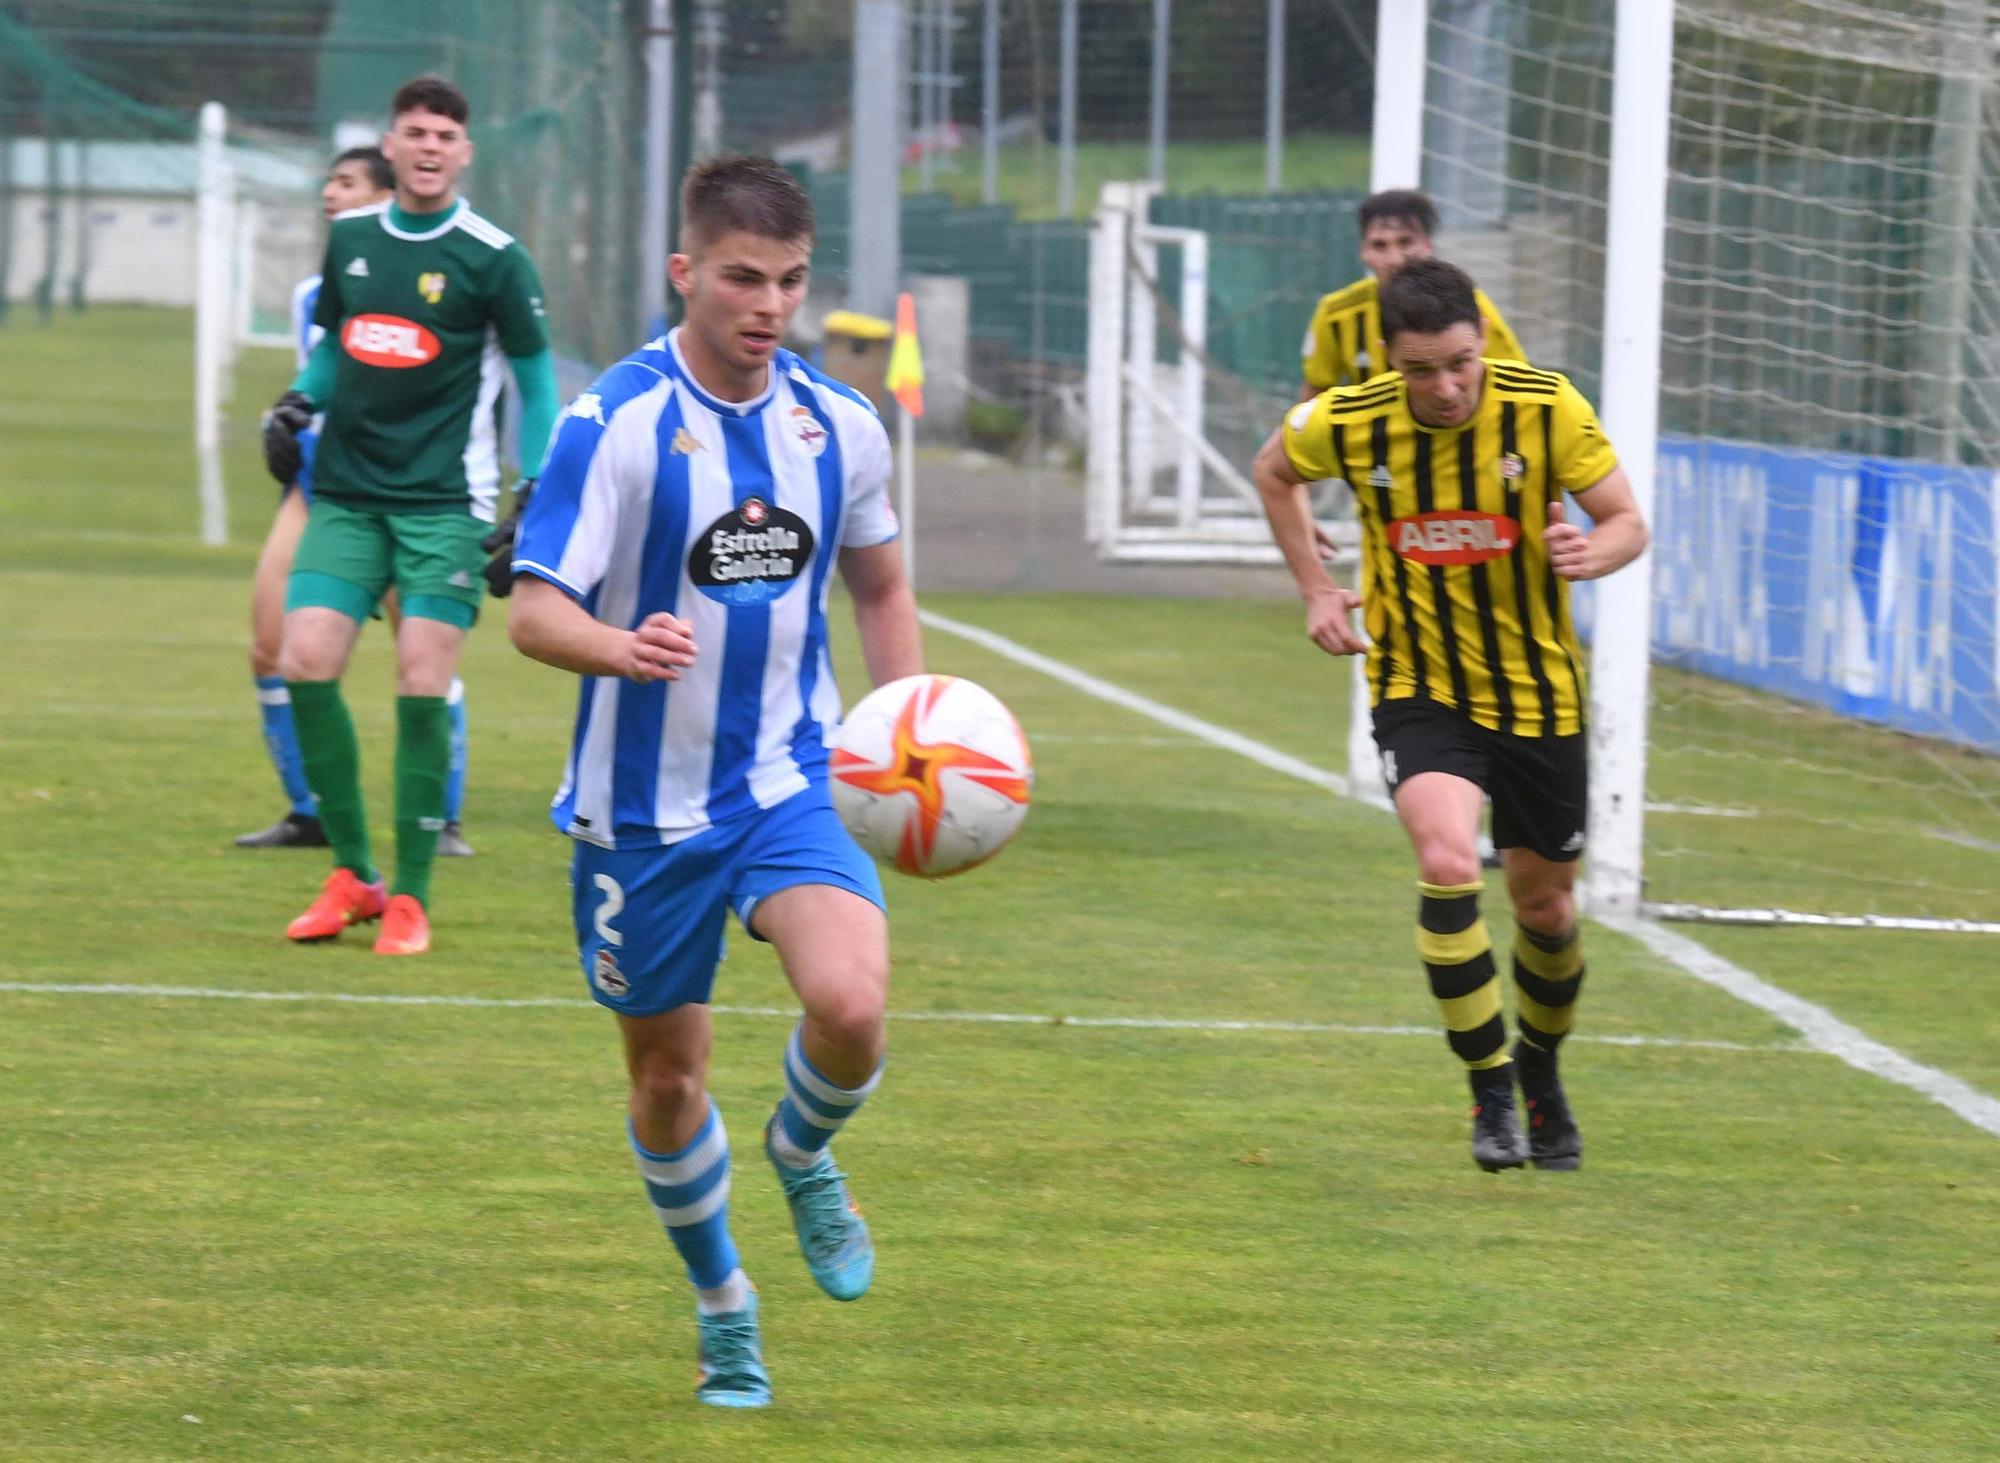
<point>957,1018</point>
<point>1820,1028</point>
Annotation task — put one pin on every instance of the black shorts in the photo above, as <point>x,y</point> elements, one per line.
<point>1540,786</point>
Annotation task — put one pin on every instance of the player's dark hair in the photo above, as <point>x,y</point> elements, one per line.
<point>736,194</point>
<point>1410,205</point>
<point>1427,296</point>
<point>431,94</point>
<point>379,172</point>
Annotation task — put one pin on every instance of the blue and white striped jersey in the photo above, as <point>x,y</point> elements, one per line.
<point>657,496</point>
<point>305,334</point>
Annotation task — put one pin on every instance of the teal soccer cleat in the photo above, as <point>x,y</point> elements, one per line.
<point>832,1234</point>
<point>732,1359</point>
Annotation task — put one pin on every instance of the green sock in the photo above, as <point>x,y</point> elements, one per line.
<point>423,756</point>
<point>332,760</point>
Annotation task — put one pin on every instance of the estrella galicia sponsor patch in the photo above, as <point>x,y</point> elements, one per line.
<point>752,554</point>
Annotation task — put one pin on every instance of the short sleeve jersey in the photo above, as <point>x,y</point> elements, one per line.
<point>1456,590</point>
<point>730,515</point>
<point>1343,343</point>
<point>425,323</point>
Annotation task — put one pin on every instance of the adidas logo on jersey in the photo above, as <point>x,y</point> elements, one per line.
<point>461,580</point>
<point>1574,843</point>
<point>1380,477</point>
<point>359,268</point>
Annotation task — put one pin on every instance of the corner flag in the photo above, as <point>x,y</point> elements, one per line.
<point>906,363</point>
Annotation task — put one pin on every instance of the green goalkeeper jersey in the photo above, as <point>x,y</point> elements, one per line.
<point>423,320</point>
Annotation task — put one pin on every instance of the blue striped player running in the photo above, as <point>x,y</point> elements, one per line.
<point>676,555</point>
<point>358,178</point>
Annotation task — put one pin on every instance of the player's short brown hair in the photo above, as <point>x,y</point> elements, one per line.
<point>431,94</point>
<point>1411,205</point>
<point>737,194</point>
<point>1427,296</point>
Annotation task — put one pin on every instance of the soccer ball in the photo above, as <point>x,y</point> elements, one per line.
<point>931,775</point>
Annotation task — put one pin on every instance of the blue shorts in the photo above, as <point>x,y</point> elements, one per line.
<point>649,921</point>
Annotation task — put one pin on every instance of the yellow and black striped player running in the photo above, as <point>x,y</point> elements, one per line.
<point>1343,341</point>
<point>1459,465</point>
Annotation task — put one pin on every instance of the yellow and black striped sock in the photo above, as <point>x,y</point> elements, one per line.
<point>1458,957</point>
<point>1548,973</point>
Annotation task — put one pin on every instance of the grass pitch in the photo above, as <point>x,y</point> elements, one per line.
<point>374,1228</point>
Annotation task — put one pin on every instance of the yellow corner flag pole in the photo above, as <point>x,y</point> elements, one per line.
<point>905,382</point>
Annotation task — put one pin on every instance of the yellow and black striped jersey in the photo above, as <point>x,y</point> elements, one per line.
<point>1460,603</point>
<point>1343,344</point>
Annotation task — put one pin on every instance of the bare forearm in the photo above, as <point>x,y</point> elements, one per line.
<point>1616,542</point>
<point>552,628</point>
<point>892,642</point>
<point>1288,507</point>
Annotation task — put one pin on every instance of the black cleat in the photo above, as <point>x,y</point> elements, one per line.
<point>452,844</point>
<point>1496,1130</point>
<point>294,830</point>
<point>1553,1139</point>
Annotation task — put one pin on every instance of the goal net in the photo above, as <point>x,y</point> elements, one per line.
<point>1824,721</point>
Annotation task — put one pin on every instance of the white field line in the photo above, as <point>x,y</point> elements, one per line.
<point>956,1018</point>
<point>1180,721</point>
<point>1820,1028</point>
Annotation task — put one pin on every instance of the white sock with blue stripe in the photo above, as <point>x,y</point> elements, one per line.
<point>813,1108</point>
<point>454,776</point>
<point>689,1190</point>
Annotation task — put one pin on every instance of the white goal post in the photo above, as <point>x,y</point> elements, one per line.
<point>257,234</point>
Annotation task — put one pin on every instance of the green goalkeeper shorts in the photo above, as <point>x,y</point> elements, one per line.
<point>349,556</point>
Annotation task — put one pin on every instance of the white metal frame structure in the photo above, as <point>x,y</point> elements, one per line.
<point>1158,490</point>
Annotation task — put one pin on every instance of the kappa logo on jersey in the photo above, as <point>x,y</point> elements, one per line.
<point>752,554</point>
<point>1513,465</point>
<point>431,286</point>
<point>807,431</point>
<point>358,268</point>
<point>1454,537</point>
<point>686,443</point>
<point>389,340</point>
<point>588,407</point>
<point>610,979</point>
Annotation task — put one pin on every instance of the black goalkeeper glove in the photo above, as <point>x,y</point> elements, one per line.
<point>500,543</point>
<point>289,415</point>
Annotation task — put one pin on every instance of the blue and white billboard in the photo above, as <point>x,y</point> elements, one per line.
<point>1866,585</point>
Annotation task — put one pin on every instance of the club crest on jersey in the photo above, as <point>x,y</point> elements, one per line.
<point>1513,465</point>
<point>685,443</point>
<point>609,978</point>
<point>1454,537</point>
<point>807,431</point>
<point>431,286</point>
<point>389,341</point>
<point>752,554</point>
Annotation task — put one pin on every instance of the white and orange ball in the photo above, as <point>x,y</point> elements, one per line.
<point>931,775</point>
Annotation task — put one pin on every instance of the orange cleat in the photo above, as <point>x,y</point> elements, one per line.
<point>406,929</point>
<point>345,900</point>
